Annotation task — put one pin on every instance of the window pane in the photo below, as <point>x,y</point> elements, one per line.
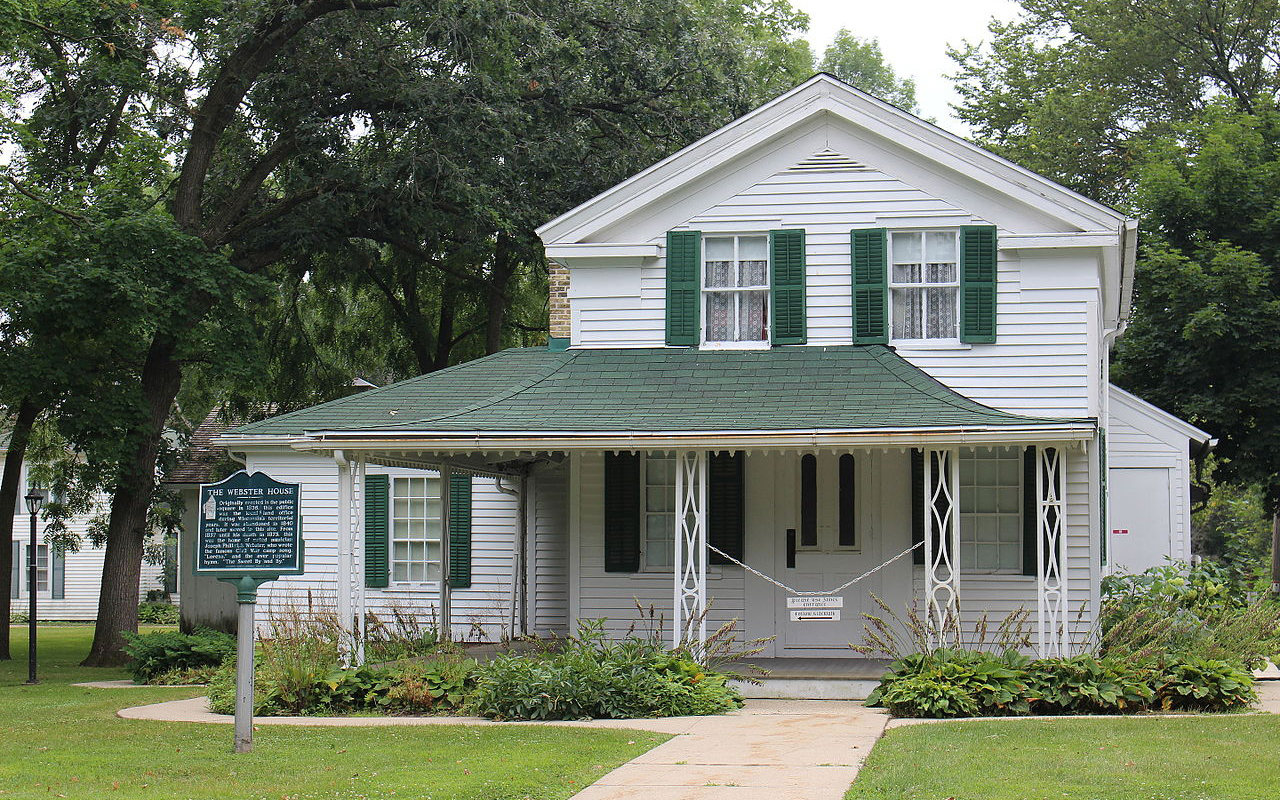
<point>940,246</point>
<point>752,315</point>
<point>906,314</point>
<point>753,248</point>
<point>659,539</point>
<point>906,248</point>
<point>940,273</point>
<point>718,248</point>
<point>906,273</point>
<point>753,273</point>
<point>941,313</point>
<point>720,320</point>
<point>719,274</point>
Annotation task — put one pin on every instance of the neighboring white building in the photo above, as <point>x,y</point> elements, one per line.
<point>68,584</point>
<point>827,337</point>
<point>1150,482</point>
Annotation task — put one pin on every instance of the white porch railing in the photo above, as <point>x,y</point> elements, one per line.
<point>690,624</point>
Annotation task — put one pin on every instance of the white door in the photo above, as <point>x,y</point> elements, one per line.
<point>1141,518</point>
<point>824,542</point>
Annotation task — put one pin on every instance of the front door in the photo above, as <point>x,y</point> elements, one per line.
<point>825,542</point>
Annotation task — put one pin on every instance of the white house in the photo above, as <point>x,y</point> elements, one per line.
<point>826,339</point>
<point>68,583</point>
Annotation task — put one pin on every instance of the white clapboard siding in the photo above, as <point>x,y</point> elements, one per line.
<point>996,597</point>
<point>634,602</point>
<point>479,613</point>
<point>1043,362</point>
<point>82,574</point>
<point>549,552</point>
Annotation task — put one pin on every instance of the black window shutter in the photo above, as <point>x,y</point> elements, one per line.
<point>621,512</point>
<point>1030,519</point>
<point>917,505</point>
<point>725,512</point>
<point>808,500</point>
<point>684,282</point>
<point>459,531</point>
<point>376,531</point>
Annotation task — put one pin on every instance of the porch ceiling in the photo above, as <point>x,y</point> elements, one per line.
<point>521,397</point>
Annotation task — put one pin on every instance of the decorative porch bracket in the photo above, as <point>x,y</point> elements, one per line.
<point>690,624</point>
<point>941,545</point>
<point>1054,635</point>
<point>349,583</point>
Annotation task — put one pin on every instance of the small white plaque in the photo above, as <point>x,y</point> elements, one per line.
<point>815,615</point>
<point>824,601</point>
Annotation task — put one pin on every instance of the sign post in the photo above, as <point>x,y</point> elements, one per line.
<point>249,534</point>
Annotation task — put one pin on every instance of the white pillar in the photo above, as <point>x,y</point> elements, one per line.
<point>358,554</point>
<point>690,623</point>
<point>1054,636</point>
<point>342,581</point>
<point>941,545</point>
<point>446,611</point>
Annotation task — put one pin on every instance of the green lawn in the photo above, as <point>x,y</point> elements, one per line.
<point>1223,758</point>
<point>60,741</point>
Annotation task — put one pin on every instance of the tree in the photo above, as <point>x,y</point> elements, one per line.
<point>1072,88</point>
<point>859,62</point>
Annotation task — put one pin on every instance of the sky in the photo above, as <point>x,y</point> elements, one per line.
<point>913,35</point>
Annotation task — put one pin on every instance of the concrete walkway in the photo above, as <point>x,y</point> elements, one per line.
<point>769,750</point>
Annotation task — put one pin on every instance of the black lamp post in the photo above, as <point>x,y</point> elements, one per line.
<point>34,500</point>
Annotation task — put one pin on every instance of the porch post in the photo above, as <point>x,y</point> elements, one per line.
<point>690,623</point>
<point>342,581</point>
<point>941,545</point>
<point>446,592</point>
<point>358,554</point>
<point>1051,573</point>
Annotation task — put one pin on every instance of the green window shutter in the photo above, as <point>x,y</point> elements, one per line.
<point>978,284</point>
<point>917,505</point>
<point>621,512</point>
<point>870,257</point>
<point>460,531</point>
<point>57,573</point>
<point>725,497</point>
<point>786,251</point>
<point>377,489</point>
<point>684,288</point>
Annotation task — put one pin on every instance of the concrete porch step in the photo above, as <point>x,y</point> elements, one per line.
<point>811,678</point>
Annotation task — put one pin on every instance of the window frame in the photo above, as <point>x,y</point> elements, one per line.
<point>966,518</point>
<point>44,571</point>
<point>645,513</point>
<point>704,291</point>
<point>824,493</point>
<point>392,517</point>
<point>892,284</point>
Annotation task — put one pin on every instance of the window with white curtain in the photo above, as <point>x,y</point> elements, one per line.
<point>42,568</point>
<point>658,485</point>
<point>416,526</point>
<point>735,289</point>
<point>991,509</point>
<point>924,284</point>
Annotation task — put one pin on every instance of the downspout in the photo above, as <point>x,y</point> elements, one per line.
<point>518,550</point>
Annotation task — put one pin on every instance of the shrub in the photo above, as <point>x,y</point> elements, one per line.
<point>153,654</point>
<point>957,683</point>
<point>591,677</point>
<point>157,614</point>
<point>189,676</point>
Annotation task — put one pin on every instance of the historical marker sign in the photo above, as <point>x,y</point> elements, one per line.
<point>249,524</point>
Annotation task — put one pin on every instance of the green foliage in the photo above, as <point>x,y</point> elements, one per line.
<point>157,614</point>
<point>1234,529</point>
<point>591,677</point>
<point>957,683</point>
<point>1201,613</point>
<point>861,63</point>
<point>159,652</point>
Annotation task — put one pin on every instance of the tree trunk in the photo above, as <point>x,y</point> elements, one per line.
<point>10,485</point>
<point>504,266</point>
<point>126,531</point>
<point>444,332</point>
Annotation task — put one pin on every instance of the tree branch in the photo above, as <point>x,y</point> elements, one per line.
<point>24,190</point>
<point>275,212</point>
<point>243,194</point>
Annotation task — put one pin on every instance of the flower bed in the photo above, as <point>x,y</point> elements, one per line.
<point>963,683</point>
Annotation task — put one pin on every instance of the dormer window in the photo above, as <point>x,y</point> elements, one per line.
<point>924,284</point>
<point>735,289</point>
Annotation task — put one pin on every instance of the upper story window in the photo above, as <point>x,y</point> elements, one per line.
<point>924,284</point>
<point>735,289</point>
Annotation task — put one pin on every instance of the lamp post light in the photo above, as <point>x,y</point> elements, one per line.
<point>34,499</point>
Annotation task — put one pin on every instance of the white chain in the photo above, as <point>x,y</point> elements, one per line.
<point>799,593</point>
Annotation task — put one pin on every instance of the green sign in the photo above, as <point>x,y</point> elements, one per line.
<point>249,525</point>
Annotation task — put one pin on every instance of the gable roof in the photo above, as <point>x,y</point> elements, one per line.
<point>203,454</point>
<point>535,391</point>
<point>1154,412</point>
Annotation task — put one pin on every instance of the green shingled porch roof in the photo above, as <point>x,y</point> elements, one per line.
<point>658,389</point>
